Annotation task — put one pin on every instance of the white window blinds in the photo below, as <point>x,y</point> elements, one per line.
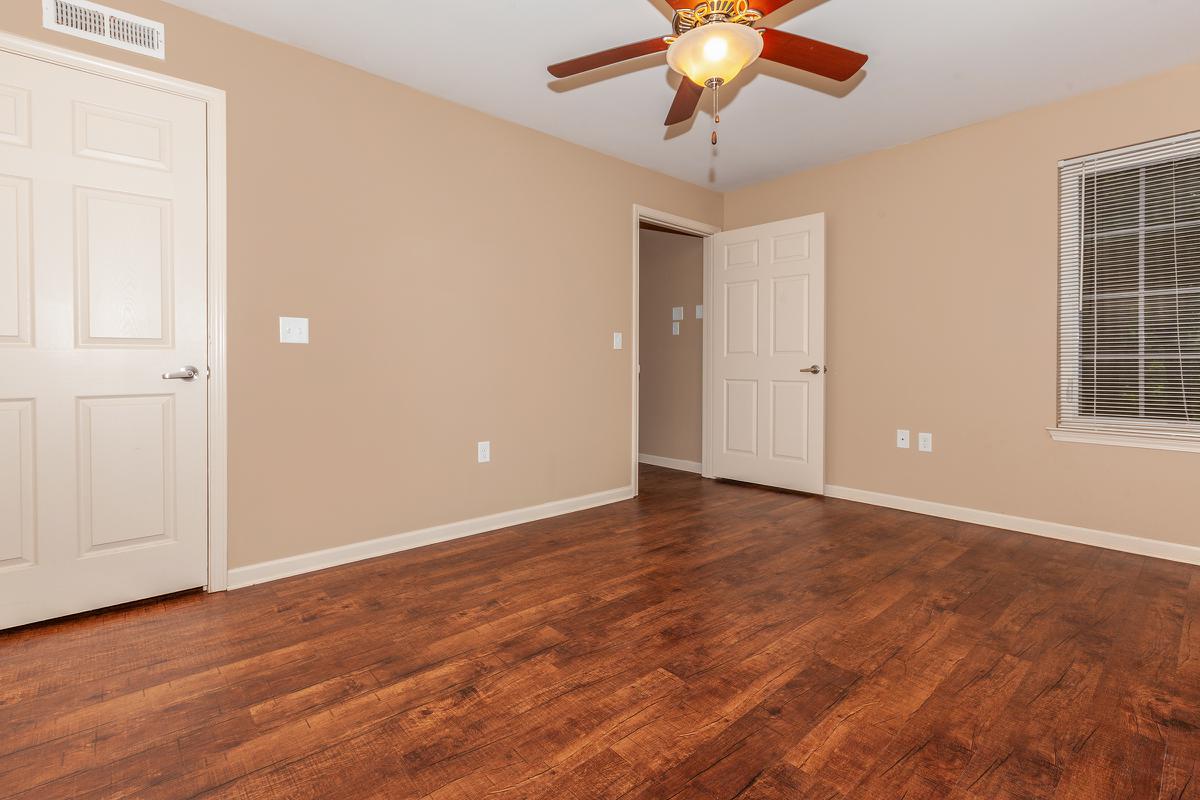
<point>1129,291</point>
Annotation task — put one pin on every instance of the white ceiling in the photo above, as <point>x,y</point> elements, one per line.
<point>935,65</point>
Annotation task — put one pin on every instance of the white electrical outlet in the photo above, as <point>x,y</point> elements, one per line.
<point>293,330</point>
<point>617,344</point>
<point>674,328</point>
<point>677,313</point>
<point>902,438</point>
<point>699,312</point>
<point>925,442</point>
<point>484,451</point>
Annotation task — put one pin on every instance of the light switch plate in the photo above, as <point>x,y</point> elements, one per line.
<point>925,442</point>
<point>674,328</point>
<point>617,345</point>
<point>293,330</point>
<point>677,313</point>
<point>902,438</point>
<point>483,452</point>
<point>699,312</point>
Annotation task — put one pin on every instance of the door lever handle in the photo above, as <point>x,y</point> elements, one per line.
<point>814,369</point>
<point>188,373</point>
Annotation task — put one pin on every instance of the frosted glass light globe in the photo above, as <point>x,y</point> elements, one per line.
<point>715,52</point>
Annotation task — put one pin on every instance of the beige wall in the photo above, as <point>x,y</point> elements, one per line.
<point>942,315</point>
<point>456,296</point>
<point>672,274</point>
<point>463,276</point>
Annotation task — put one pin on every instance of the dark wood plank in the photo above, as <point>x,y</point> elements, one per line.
<point>706,640</point>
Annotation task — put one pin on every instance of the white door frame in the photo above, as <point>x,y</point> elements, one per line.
<point>685,225</point>
<point>214,100</point>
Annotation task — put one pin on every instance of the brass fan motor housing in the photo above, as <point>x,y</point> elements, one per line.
<point>738,12</point>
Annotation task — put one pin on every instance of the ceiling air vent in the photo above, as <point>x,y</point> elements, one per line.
<point>99,23</point>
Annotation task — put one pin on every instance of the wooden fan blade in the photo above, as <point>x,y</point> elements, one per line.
<point>605,57</point>
<point>686,101</point>
<point>810,55</point>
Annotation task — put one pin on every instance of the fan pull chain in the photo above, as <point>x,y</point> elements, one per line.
<point>716,112</point>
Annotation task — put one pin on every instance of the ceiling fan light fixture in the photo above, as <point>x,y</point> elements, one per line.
<point>713,41</point>
<point>714,54</point>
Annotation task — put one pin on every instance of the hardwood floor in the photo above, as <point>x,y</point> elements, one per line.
<point>704,641</point>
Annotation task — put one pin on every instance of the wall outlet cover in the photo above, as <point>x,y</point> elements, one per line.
<point>617,343</point>
<point>925,442</point>
<point>902,438</point>
<point>293,330</point>
<point>674,328</point>
<point>483,451</point>
<point>699,312</point>
<point>677,313</point>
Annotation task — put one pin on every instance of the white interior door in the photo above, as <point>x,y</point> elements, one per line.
<point>103,260</point>
<point>767,386</point>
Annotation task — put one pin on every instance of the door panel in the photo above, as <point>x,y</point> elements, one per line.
<point>741,417</point>
<point>769,407</point>
<point>103,281</point>
<point>124,262</point>
<point>16,483</point>
<point>789,420</point>
<point>741,318</point>
<point>15,261</point>
<point>14,116</point>
<point>111,135</point>
<point>740,255</point>
<point>790,321</point>
<point>126,471</point>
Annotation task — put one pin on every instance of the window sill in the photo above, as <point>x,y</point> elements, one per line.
<point>1118,439</point>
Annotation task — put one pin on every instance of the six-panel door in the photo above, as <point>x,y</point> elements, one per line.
<point>103,474</point>
<point>769,328</point>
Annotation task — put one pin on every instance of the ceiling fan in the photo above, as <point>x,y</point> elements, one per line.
<point>713,42</point>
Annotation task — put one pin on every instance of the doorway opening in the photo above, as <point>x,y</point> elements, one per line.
<point>671,348</point>
<point>762,364</point>
<point>670,280</point>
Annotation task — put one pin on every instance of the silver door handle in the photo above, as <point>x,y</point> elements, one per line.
<point>186,374</point>
<point>814,369</point>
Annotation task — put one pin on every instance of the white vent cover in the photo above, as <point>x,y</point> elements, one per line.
<point>89,20</point>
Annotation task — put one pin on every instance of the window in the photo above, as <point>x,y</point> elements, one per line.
<point>1129,296</point>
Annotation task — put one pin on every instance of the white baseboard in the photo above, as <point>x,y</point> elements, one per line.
<point>1053,530</point>
<point>670,463</point>
<point>308,562</point>
<point>321,559</point>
